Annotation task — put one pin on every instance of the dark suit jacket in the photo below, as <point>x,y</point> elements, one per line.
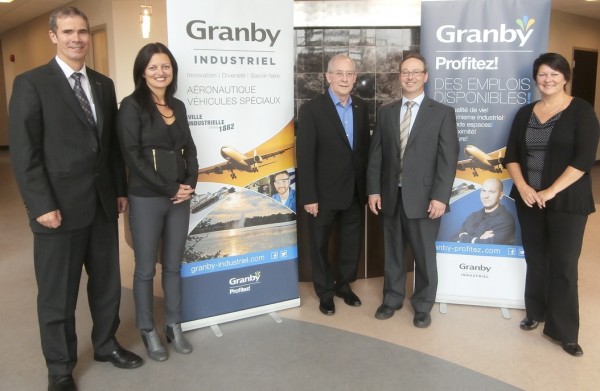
<point>429,158</point>
<point>141,132</point>
<point>573,142</point>
<point>329,170</point>
<point>59,160</point>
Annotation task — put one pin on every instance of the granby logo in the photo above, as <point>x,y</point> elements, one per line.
<point>448,33</point>
<point>198,29</point>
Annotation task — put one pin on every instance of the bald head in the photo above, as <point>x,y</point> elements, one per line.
<point>491,193</point>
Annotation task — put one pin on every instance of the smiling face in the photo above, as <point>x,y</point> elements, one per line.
<point>491,192</point>
<point>413,77</point>
<point>159,72</point>
<point>341,77</point>
<point>72,38</point>
<point>550,81</point>
<point>282,183</point>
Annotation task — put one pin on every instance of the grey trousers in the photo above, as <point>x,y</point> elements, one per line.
<point>155,221</point>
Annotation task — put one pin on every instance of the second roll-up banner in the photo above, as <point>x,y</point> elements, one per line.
<point>236,77</point>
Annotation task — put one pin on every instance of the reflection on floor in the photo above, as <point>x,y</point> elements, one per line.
<point>476,338</point>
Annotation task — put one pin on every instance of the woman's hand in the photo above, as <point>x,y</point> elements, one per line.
<point>530,196</point>
<point>185,193</point>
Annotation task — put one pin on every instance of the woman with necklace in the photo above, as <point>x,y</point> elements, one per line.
<point>161,157</point>
<point>550,152</point>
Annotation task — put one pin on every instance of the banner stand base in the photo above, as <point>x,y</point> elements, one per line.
<point>214,321</point>
<point>275,317</point>
<point>505,313</point>
<point>216,330</point>
<point>443,308</point>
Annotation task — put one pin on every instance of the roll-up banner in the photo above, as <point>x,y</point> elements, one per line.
<point>235,62</point>
<point>480,55</point>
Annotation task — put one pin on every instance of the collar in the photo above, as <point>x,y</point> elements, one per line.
<point>418,100</point>
<point>68,71</point>
<point>337,100</point>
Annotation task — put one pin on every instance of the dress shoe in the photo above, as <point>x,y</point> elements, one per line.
<point>175,335</point>
<point>386,311</point>
<point>573,349</point>
<point>529,324</point>
<point>422,320</point>
<point>121,358</point>
<point>154,347</point>
<point>61,383</point>
<point>327,307</point>
<point>349,298</point>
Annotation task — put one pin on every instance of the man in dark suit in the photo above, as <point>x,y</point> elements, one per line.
<point>70,172</point>
<point>412,164</point>
<point>331,150</point>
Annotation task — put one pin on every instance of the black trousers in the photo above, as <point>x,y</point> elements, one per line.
<point>59,259</point>
<point>552,241</point>
<point>351,222</point>
<point>398,232</point>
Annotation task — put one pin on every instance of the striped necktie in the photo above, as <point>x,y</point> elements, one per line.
<point>82,99</point>
<point>405,128</point>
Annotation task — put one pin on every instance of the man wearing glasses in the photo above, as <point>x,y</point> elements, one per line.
<point>331,150</point>
<point>412,164</point>
<point>285,194</point>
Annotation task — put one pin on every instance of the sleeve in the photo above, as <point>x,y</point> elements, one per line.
<point>190,153</point>
<point>587,131</point>
<point>130,127</point>
<point>374,165</point>
<point>116,156</point>
<point>447,158</point>
<point>26,132</point>
<point>306,155</point>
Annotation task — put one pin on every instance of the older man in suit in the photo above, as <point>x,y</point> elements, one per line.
<point>412,164</point>
<point>70,172</point>
<point>331,150</point>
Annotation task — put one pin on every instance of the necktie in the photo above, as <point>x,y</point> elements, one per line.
<point>404,132</point>
<point>82,99</point>
<point>405,127</point>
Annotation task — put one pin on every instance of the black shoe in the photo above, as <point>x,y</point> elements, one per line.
<point>121,358</point>
<point>573,349</point>
<point>385,311</point>
<point>349,298</point>
<point>422,320</point>
<point>327,307</point>
<point>529,324</point>
<point>61,383</point>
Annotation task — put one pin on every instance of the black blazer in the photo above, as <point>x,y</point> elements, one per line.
<point>429,158</point>
<point>329,170</point>
<point>59,160</point>
<point>573,142</point>
<point>159,158</point>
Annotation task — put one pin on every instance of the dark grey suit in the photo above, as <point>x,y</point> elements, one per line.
<point>428,173</point>
<point>62,163</point>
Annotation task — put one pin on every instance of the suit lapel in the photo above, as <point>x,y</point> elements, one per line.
<point>396,122</point>
<point>420,121</point>
<point>96,88</point>
<point>334,114</point>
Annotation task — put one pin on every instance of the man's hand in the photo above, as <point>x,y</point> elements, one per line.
<point>436,209</point>
<point>51,219</point>
<point>375,203</point>
<point>312,209</point>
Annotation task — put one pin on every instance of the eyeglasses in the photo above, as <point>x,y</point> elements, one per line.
<point>340,74</point>
<point>281,181</point>
<point>415,73</point>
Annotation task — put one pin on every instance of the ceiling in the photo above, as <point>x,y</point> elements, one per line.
<point>21,11</point>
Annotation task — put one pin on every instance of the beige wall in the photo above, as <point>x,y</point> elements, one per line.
<point>569,32</point>
<point>31,46</point>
